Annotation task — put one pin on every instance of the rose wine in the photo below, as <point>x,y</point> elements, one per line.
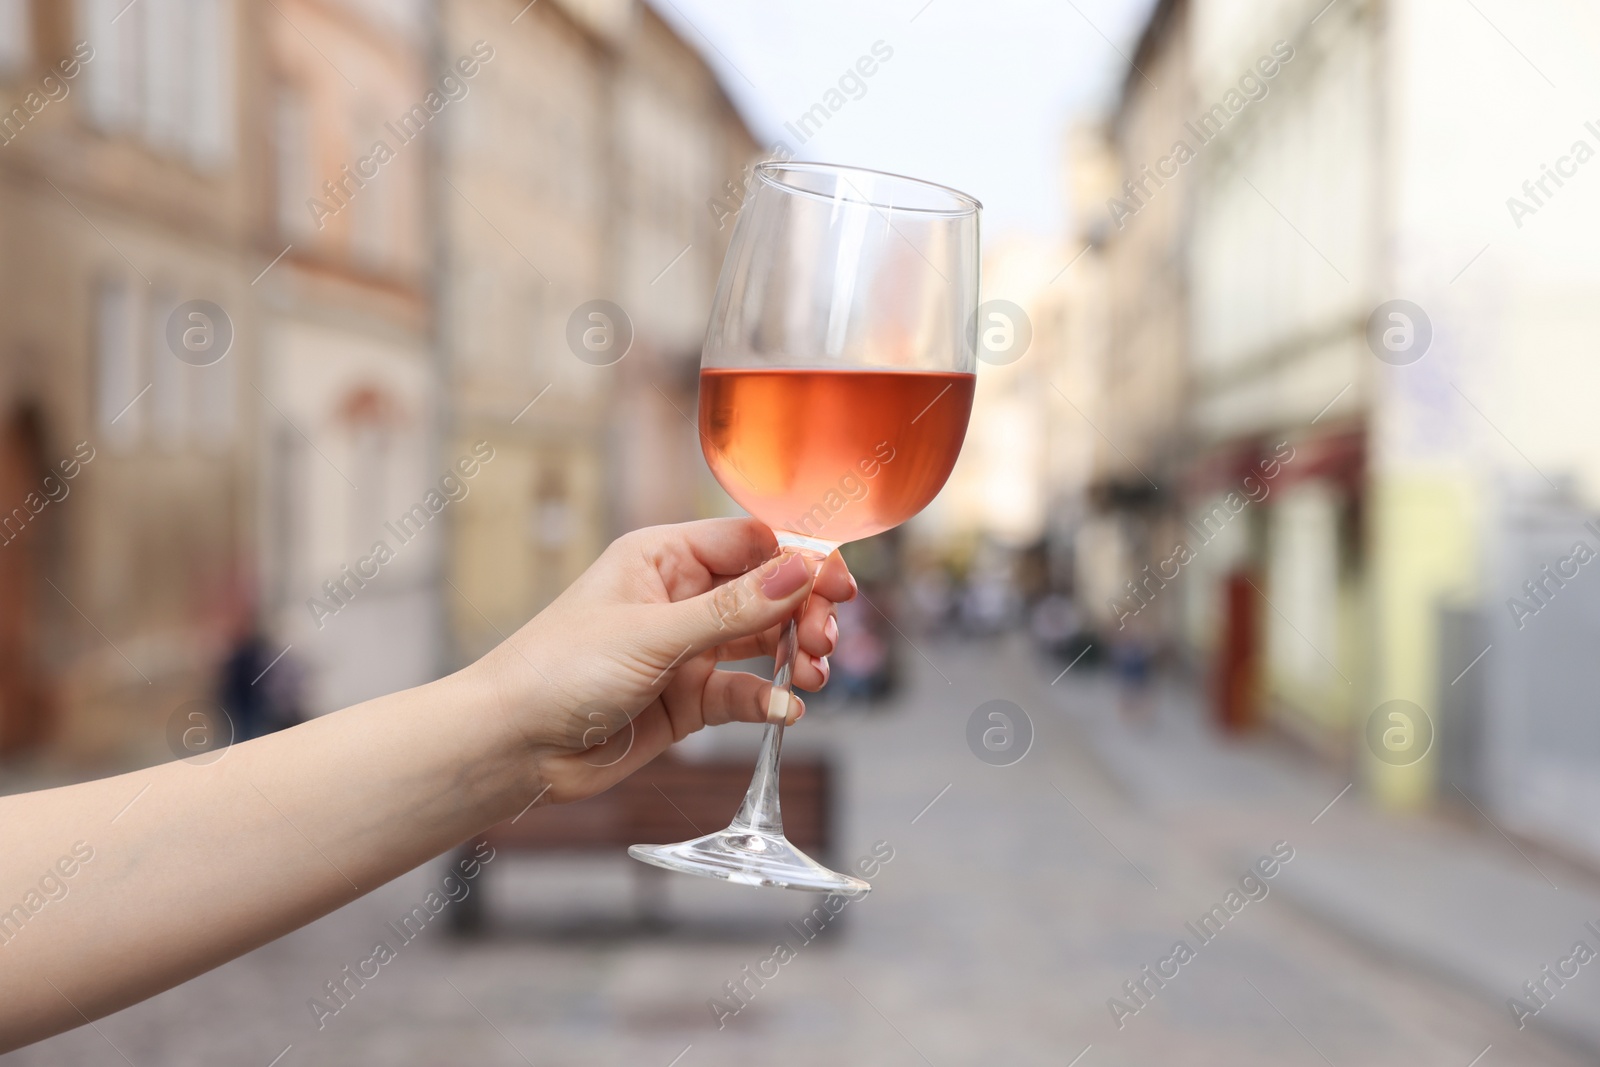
<point>832,455</point>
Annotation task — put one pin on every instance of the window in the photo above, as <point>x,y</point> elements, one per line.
<point>166,54</point>
<point>101,76</point>
<point>372,444</point>
<point>16,36</point>
<point>542,335</point>
<point>162,70</point>
<point>170,377</point>
<point>372,229</point>
<point>552,519</point>
<point>474,304</point>
<point>119,379</point>
<point>213,392</point>
<point>296,171</point>
<point>371,417</point>
<point>287,513</point>
<point>115,78</point>
<point>211,65</point>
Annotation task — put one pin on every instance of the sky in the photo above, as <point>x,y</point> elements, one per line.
<point>975,94</point>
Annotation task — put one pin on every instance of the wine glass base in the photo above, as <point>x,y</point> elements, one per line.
<point>750,858</point>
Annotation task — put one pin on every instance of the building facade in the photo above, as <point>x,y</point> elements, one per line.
<point>1137,230</point>
<point>1386,493</point>
<point>289,358</point>
<point>354,516</point>
<point>129,441</point>
<point>580,262</point>
<point>1285,266</point>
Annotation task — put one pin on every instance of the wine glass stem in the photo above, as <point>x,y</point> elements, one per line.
<point>760,812</point>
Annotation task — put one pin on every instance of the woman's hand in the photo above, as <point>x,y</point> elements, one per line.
<point>623,663</point>
<point>196,863</point>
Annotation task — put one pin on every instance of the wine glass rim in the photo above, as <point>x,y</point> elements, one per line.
<point>770,170</point>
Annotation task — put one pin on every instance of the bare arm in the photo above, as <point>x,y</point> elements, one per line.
<point>114,890</point>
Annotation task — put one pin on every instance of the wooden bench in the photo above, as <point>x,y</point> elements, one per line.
<point>666,800</point>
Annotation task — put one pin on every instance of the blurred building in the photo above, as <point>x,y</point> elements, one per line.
<point>1134,223</point>
<point>1370,486</point>
<point>684,161</point>
<point>997,491</point>
<point>1238,374</point>
<point>391,212</point>
<point>127,467</point>
<point>1221,338</point>
<point>1017,500</point>
<point>527,241</point>
<point>349,382</point>
<point>627,140</point>
<point>1279,356</point>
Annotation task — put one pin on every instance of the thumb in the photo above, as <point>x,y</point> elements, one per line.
<point>748,605</point>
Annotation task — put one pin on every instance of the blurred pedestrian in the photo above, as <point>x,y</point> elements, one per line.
<point>861,661</point>
<point>1133,651</point>
<point>931,597</point>
<point>1056,624</point>
<point>260,686</point>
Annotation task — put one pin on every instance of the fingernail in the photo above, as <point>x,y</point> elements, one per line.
<point>791,574</point>
<point>854,588</point>
<point>827,671</point>
<point>767,568</point>
<point>830,630</point>
<point>797,710</point>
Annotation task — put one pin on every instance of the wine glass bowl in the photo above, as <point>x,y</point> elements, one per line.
<point>828,456</point>
<point>836,382</point>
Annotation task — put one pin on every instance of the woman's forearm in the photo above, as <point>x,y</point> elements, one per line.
<point>111,891</point>
<point>190,865</point>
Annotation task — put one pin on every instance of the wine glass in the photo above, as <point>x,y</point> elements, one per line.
<point>835,385</point>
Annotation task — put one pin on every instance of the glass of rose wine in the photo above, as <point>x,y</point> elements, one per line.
<point>835,385</point>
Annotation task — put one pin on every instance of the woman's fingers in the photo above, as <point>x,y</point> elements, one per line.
<point>810,672</point>
<point>753,647</point>
<point>695,556</point>
<point>722,546</point>
<point>734,696</point>
<point>819,629</point>
<point>834,582</point>
<point>819,635</point>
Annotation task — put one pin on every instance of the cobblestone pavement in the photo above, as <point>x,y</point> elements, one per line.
<point>1019,900</point>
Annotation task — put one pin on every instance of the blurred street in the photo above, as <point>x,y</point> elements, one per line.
<point>1018,901</point>
<point>1234,701</point>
